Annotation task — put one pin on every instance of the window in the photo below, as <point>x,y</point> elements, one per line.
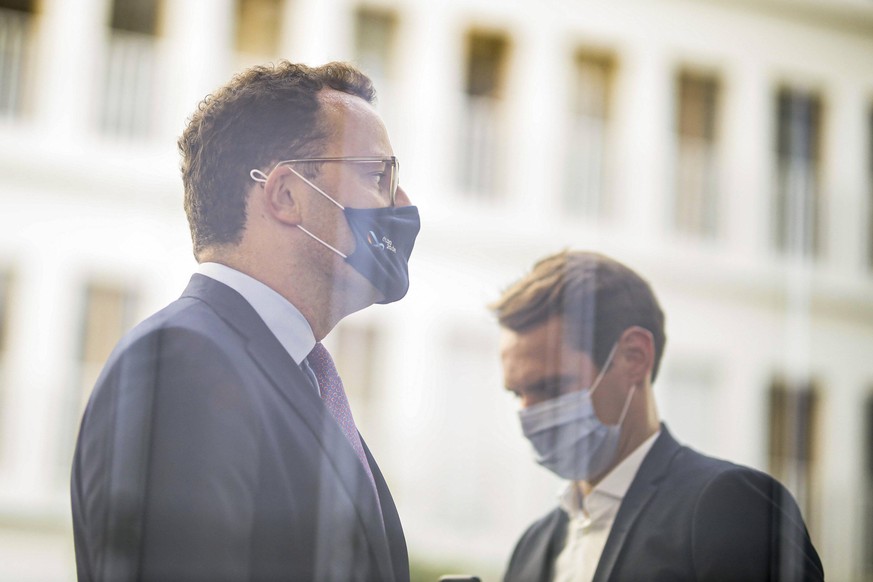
<point>129,75</point>
<point>16,18</point>
<point>356,351</point>
<point>793,440</point>
<point>17,5</point>
<point>867,489</point>
<point>690,400</point>
<point>870,189</point>
<point>481,131</point>
<point>258,28</point>
<point>139,16</point>
<point>696,169</point>
<point>486,60</point>
<point>469,375</point>
<point>798,207</point>
<point>586,175</point>
<point>375,37</point>
<point>107,312</point>
<point>5,288</point>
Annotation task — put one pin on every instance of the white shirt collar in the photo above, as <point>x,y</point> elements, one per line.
<point>282,318</point>
<point>614,485</point>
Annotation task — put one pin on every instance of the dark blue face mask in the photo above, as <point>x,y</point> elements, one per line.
<point>384,238</point>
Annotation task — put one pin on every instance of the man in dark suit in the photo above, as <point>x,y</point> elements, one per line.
<point>218,443</point>
<point>582,341</point>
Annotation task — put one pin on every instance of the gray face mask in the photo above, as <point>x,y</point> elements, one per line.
<point>567,436</point>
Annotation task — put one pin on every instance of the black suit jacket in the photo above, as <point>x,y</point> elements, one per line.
<point>687,517</point>
<point>206,454</point>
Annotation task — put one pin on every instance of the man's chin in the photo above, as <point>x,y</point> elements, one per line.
<point>370,295</point>
<point>364,292</point>
<point>359,294</point>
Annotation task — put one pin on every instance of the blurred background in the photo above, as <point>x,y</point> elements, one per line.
<point>721,148</point>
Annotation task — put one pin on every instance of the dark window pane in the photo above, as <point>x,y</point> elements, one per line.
<point>5,284</point>
<point>258,27</point>
<point>20,5</point>
<point>135,16</point>
<point>485,63</point>
<point>588,135</point>
<point>793,439</point>
<point>798,209</point>
<point>374,42</point>
<point>696,163</point>
<point>696,115</point>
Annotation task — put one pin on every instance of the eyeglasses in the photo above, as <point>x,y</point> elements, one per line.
<point>384,171</point>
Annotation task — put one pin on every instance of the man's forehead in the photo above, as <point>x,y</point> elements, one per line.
<point>339,104</point>
<point>330,97</point>
<point>546,343</point>
<point>550,332</point>
<point>353,125</point>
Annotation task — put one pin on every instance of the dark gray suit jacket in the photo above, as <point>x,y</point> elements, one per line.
<point>206,454</point>
<point>687,517</point>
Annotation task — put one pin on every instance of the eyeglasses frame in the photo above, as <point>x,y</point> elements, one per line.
<point>394,164</point>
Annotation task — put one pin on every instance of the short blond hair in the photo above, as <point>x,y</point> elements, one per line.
<point>597,297</point>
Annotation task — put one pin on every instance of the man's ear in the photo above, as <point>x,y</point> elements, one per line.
<point>637,351</point>
<point>281,196</point>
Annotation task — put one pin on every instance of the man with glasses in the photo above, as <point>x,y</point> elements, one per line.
<point>218,443</point>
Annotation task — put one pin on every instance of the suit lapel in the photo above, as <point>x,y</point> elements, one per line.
<point>643,487</point>
<point>288,379</point>
<point>543,558</point>
<point>393,528</point>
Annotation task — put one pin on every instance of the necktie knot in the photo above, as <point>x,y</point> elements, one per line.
<point>322,365</point>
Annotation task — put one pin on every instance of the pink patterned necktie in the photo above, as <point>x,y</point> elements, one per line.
<point>334,396</point>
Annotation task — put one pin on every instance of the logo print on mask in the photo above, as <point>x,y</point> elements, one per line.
<point>374,241</point>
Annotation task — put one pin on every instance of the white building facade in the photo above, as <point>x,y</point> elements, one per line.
<point>721,148</point>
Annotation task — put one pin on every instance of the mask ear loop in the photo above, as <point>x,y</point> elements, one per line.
<point>259,176</point>
<point>334,249</point>
<point>316,188</point>
<point>627,404</point>
<point>602,373</point>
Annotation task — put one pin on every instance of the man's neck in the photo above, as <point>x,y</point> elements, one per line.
<point>319,321</point>
<point>627,445</point>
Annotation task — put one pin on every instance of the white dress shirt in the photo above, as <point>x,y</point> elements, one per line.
<point>591,521</point>
<point>282,318</point>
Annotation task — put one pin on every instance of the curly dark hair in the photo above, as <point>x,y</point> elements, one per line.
<point>597,297</point>
<point>262,116</point>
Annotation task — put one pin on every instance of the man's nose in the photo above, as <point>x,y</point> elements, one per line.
<point>400,198</point>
